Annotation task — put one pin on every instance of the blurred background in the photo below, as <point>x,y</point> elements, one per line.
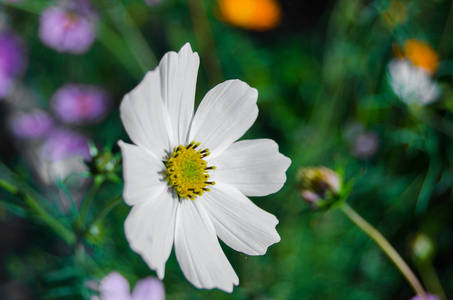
<point>361,87</point>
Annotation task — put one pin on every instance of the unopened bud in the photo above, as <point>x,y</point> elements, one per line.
<point>423,247</point>
<point>104,162</point>
<point>319,186</point>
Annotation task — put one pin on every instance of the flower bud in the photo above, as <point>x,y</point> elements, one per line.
<point>104,163</point>
<point>422,247</point>
<point>319,186</point>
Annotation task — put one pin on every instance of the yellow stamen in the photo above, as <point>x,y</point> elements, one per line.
<point>187,171</point>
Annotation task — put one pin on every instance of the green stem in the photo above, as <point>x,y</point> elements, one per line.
<point>113,42</point>
<point>433,120</point>
<point>430,278</point>
<point>132,36</point>
<point>40,212</point>
<point>385,246</point>
<point>90,195</point>
<point>111,205</point>
<point>205,40</point>
<point>445,41</point>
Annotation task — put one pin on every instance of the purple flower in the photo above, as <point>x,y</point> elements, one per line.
<point>79,104</point>
<point>12,60</point>
<point>428,297</point>
<point>115,287</point>
<point>366,145</point>
<point>30,125</point>
<point>69,27</point>
<point>62,144</point>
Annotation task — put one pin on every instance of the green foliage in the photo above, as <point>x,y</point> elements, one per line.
<point>320,89</point>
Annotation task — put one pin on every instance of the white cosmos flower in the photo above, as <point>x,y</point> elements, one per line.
<point>187,177</point>
<point>412,84</point>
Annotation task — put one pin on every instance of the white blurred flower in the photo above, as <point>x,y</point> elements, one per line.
<point>412,84</point>
<point>61,154</point>
<point>186,194</point>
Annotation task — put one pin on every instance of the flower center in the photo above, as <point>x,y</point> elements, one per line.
<point>71,20</point>
<point>187,171</point>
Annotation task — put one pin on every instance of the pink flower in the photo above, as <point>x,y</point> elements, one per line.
<point>428,297</point>
<point>69,27</point>
<point>61,144</point>
<point>12,60</point>
<point>115,287</point>
<point>80,104</point>
<point>30,125</point>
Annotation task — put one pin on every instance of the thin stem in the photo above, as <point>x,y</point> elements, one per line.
<point>385,246</point>
<point>132,36</point>
<point>37,208</point>
<point>430,278</point>
<point>445,41</point>
<point>86,202</point>
<point>205,40</point>
<point>111,205</point>
<point>433,120</point>
<point>116,45</point>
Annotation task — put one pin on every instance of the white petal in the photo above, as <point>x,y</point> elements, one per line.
<point>254,167</point>
<point>149,229</point>
<point>225,114</point>
<point>145,117</point>
<point>238,221</point>
<point>179,76</point>
<point>142,174</point>
<point>198,251</point>
<point>412,84</point>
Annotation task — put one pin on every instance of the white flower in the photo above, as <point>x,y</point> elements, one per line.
<point>412,84</point>
<point>186,194</point>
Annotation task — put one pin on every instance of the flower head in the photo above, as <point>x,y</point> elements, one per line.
<point>30,125</point>
<point>62,143</point>
<point>80,104</point>
<point>62,153</point>
<point>319,186</point>
<point>421,55</point>
<point>115,287</point>
<point>68,27</point>
<point>428,297</point>
<point>187,176</point>
<point>12,60</point>
<point>422,247</point>
<point>366,145</point>
<point>412,84</point>
<point>256,15</point>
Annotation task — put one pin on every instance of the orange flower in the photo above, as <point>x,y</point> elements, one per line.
<point>256,15</point>
<point>421,55</point>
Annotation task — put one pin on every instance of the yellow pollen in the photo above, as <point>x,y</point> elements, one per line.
<point>187,171</point>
